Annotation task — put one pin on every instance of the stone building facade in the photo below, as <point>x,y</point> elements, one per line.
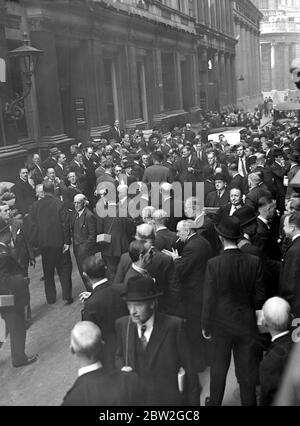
<point>144,62</point>
<point>280,44</point>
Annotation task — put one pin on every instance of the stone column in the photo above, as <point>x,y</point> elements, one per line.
<point>245,53</point>
<point>216,68</point>
<point>287,65</point>
<point>234,81</point>
<point>273,65</point>
<point>223,81</point>
<point>159,94</point>
<point>47,83</point>
<point>228,80</point>
<point>178,81</point>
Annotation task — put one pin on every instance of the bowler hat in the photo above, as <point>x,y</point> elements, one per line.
<point>294,156</point>
<point>230,228</point>
<point>3,226</point>
<point>220,176</point>
<point>245,215</point>
<point>128,163</point>
<point>139,289</point>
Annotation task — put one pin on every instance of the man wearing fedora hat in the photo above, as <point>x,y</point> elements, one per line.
<point>14,282</point>
<point>51,161</point>
<point>154,346</point>
<point>233,290</point>
<point>248,220</point>
<point>221,196</point>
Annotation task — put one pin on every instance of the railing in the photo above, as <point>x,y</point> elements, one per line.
<point>280,27</point>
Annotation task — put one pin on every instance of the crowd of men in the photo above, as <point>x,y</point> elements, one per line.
<point>181,277</point>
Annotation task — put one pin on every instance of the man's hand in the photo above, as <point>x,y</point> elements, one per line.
<point>206,334</point>
<point>66,248</point>
<point>84,296</point>
<point>127,369</point>
<point>191,169</point>
<point>32,262</point>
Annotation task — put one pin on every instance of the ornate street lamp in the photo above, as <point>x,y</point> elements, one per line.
<point>28,57</point>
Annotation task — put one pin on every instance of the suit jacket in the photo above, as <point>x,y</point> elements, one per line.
<point>49,163</point>
<point>268,178</point>
<point>289,278</point>
<point>85,232</point>
<point>213,200</point>
<point>190,270</point>
<point>272,367</point>
<point>81,176</point>
<point>61,173</point>
<point>157,173</point>
<point>253,196</point>
<point>158,365</point>
<point>115,133</point>
<point>165,239</point>
<point>90,174</point>
<point>12,277</point>
<point>121,230</point>
<point>101,388</point>
<point>23,251</point>
<point>238,182</point>
<point>103,308</point>
<point>25,196</point>
<point>38,175</point>
<point>162,270</point>
<point>49,223</point>
<point>278,174</point>
<point>181,166</point>
<point>69,193</point>
<point>233,290</point>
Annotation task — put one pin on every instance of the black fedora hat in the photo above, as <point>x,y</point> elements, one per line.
<point>277,152</point>
<point>230,228</point>
<point>220,176</point>
<point>139,289</point>
<point>3,226</point>
<point>246,215</point>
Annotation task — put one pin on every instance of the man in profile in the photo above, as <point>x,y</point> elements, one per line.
<point>96,386</point>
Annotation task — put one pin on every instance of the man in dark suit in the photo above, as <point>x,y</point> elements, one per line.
<point>141,257</point>
<point>24,192</point>
<point>61,170</point>
<point>236,203</point>
<point>157,172</point>
<point>221,196</point>
<point>277,318</point>
<point>190,270</point>
<point>38,172</point>
<point>51,161</point>
<point>289,280</point>
<point>84,233</point>
<point>90,174</point>
<point>69,193</point>
<point>294,158</point>
<point>256,191</point>
<point>189,134</point>
<point>268,178</point>
<point>266,240</point>
<point>233,290</point>
<point>121,230</point>
<point>102,305</point>
<point>242,160</point>
<point>279,170</point>
<point>164,238</point>
<point>188,167</point>
<point>106,176</point>
<point>237,181</point>
<point>115,132</point>
<point>13,281</point>
<point>50,231</point>
<point>96,385</point>
<point>77,166</point>
<point>154,346</point>
<point>161,268</point>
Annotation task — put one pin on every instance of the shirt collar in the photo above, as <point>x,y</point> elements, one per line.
<point>89,368</point>
<point>99,283</point>
<point>264,221</point>
<point>161,228</point>
<point>149,324</point>
<point>81,211</point>
<point>284,333</point>
<point>296,236</point>
<point>194,233</point>
<point>138,269</point>
<point>231,248</point>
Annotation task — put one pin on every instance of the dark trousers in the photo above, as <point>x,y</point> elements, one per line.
<point>245,367</point>
<point>80,256</point>
<point>197,344</point>
<point>16,327</point>
<point>53,257</point>
<point>112,266</point>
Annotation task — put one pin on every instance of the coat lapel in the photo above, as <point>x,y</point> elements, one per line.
<point>158,334</point>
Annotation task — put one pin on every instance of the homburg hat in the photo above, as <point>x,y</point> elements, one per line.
<point>140,289</point>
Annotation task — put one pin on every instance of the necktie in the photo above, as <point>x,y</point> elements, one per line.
<point>143,337</point>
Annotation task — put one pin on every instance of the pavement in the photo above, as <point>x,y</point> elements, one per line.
<point>45,382</point>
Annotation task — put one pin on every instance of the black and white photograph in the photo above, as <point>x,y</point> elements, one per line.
<point>149,205</point>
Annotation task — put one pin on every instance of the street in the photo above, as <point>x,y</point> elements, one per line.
<point>45,382</point>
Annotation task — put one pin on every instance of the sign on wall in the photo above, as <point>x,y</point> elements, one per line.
<point>2,71</point>
<point>80,112</point>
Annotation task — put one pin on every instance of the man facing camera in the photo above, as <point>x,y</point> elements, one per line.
<point>154,346</point>
<point>96,386</point>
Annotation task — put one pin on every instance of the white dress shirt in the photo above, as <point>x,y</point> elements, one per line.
<point>149,329</point>
<point>89,368</point>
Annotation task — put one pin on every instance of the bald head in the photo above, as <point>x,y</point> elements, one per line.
<point>86,340</point>
<point>145,232</point>
<point>277,314</point>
